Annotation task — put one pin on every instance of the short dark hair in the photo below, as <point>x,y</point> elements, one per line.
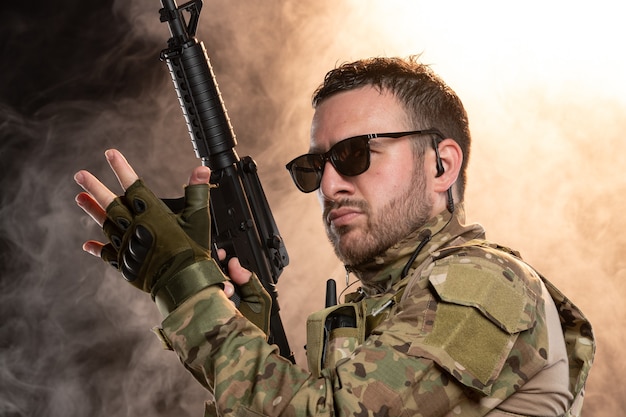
<point>428,100</point>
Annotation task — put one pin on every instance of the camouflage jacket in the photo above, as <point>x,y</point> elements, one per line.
<point>463,333</point>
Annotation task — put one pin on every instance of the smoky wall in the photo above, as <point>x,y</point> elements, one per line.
<point>78,78</point>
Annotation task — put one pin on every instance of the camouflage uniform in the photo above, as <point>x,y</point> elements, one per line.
<point>464,333</point>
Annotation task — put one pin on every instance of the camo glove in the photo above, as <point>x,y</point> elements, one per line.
<point>159,252</point>
<point>255,303</point>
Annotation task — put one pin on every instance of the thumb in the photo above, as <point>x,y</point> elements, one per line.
<point>195,217</point>
<point>200,175</point>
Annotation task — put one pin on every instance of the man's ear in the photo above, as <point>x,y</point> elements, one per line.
<point>449,158</point>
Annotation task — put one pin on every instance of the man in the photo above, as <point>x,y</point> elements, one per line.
<point>445,323</point>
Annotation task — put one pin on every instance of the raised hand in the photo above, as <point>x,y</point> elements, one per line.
<point>152,247</point>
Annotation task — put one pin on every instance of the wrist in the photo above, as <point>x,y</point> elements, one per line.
<point>186,283</point>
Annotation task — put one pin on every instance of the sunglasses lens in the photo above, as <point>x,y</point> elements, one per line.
<point>306,172</point>
<point>351,156</point>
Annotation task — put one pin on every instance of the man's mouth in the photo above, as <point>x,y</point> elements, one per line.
<point>342,216</point>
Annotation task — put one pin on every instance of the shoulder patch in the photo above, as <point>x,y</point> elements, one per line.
<point>486,297</point>
<point>502,288</point>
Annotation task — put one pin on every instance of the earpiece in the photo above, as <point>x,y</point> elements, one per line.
<point>440,168</point>
<point>440,171</point>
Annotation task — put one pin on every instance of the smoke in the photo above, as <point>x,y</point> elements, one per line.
<point>546,107</point>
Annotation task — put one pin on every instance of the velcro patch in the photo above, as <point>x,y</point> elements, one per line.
<point>486,299</point>
<point>498,292</point>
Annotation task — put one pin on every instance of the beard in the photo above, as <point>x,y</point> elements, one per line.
<point>409,211</point>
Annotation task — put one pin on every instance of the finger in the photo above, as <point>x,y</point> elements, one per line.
<point>238,273</point>
<point>91,207</point>
<point>221,254</point>
<point>123,171</point>
<point>229,289</point>
<point>92,247</point>
<point>200,175</point>
<point>100,193</point>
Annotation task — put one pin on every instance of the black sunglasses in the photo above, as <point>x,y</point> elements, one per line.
<point>349,157</point>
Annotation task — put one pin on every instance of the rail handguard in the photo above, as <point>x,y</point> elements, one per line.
<point>241,220</point>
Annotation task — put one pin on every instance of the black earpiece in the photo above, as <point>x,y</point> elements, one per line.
<point>440,168</point>
<point>440,171</point>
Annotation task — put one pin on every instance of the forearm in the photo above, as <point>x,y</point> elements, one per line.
<point>228,354</point>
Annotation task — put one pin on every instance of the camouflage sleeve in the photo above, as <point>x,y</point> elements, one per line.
<point>229,355</point>
<point>248,377</point>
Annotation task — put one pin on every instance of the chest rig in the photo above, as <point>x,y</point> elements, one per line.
<point>335,332</point>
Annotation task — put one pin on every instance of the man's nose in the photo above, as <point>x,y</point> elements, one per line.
<point>334,184</point>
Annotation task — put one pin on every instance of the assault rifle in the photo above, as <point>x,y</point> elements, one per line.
<point>242,222</point>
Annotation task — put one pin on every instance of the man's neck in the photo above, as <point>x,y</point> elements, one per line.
<point>382,272</point>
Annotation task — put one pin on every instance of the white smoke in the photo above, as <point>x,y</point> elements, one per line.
<point>543,84</point>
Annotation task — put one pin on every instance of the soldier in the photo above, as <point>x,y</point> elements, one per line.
<point>444,323</point>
